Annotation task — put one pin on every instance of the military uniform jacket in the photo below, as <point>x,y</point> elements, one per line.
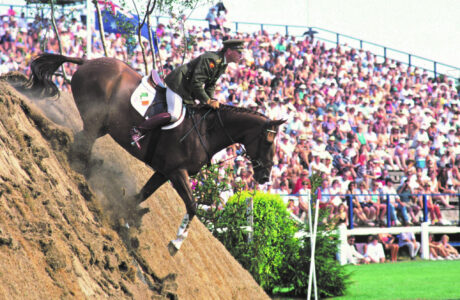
<point>197,79</point>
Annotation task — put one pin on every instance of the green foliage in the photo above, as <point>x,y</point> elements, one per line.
<point>275,257</point>
<point>272,241</point>
<point>207,189</point>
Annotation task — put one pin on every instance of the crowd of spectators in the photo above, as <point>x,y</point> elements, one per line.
<point>353,118</point>
<point>378,247</point>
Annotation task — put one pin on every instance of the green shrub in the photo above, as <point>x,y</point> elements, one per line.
<point>276,259</point>
<point>272,238</point>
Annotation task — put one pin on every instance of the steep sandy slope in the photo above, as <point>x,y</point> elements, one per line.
<point>55,241</point>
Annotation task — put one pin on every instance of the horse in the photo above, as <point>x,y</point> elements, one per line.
<point>101,89</point>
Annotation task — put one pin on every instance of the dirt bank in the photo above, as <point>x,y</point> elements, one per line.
<point>55,235</point>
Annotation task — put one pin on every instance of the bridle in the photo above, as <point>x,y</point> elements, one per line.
<point>256,162</point>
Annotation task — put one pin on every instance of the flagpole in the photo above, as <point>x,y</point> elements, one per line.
<point>88,29</point>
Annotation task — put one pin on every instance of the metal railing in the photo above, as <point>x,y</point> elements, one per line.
<point>386,197</point>
<point>435,68</point>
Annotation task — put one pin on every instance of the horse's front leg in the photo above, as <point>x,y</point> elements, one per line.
<point>181,184</point>
<point>132,216</point>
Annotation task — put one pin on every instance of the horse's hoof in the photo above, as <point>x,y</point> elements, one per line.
<point>172,248</point>
<point>142,211</point>
<point>134,216</point>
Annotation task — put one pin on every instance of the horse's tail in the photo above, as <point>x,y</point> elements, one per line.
<point>43,67</point>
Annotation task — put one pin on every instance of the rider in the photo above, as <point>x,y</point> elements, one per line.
<point>194,80</point>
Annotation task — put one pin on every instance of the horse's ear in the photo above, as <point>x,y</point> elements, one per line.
<point>276,123</point>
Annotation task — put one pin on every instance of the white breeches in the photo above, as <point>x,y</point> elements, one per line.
<point>174,103</point>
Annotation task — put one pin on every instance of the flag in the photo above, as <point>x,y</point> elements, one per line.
<point>115,19</point>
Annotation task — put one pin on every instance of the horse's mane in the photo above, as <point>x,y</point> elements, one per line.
<point>230,108</point>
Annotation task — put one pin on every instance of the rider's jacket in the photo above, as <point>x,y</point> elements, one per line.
<point>197,79</point>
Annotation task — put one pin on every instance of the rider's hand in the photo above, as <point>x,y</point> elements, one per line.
<point>213,103</point>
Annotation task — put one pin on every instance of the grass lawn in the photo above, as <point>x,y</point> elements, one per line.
<point>404,280</point>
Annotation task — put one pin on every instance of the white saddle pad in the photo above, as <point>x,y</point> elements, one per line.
<point>143,96</point>
<point>177,123</point>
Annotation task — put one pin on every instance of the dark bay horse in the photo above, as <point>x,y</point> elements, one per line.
<point>102,88</point>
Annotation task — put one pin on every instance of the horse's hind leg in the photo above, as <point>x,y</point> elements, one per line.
<point>80,151</point>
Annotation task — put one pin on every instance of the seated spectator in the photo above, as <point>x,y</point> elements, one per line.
<point>389,244</point>
<point>389,189</point>
<point>299,183</point>
<point>374,250</point>
<point>412,208</point>
<point>371,208</point>
<point>433,209</point>
<point>445,178</point>
<point>437,251</point>
<point>451,252</point>
<point>357,207</point>
<point>407,239</point>
<point>304,196</point>
<point>352,255</point>
<point>342,215</point>
<point>401,153</point>
<point>434,189</point>
<point>292,207</point>
<point>378,201</point>
<point>335,199</point>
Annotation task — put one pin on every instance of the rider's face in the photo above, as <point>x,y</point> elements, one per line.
<point>233,55</point>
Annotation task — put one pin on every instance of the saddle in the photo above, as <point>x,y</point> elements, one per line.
<point>158,104</point>
<point>149,98</point>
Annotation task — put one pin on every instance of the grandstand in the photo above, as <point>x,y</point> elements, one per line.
<point>354,115</point>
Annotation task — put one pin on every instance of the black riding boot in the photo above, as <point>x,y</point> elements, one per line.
<point>137,133</point>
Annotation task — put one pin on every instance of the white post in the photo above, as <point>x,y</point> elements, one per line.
<point>343,241</point>
<point>89,18</point>
<point>250,217</point>
<point>315,230</point>
<point>312,271</point>
<point>425,240</point>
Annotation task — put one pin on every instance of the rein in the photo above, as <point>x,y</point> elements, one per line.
<point>195,126</point>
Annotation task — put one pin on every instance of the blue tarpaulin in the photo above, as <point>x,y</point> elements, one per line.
<point>117,20</point>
